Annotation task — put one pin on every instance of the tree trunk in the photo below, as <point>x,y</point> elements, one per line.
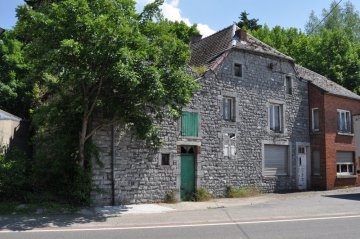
<point>82,140</point>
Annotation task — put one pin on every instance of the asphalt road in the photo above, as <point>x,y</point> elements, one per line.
<point>320,228</point>
<point>329,214</point>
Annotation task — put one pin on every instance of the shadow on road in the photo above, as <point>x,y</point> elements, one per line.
<point>352,196</point>
<point>28,222</point>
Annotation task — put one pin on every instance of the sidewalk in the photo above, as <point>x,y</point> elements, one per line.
<point>215,203</point>
<point>264,207</point>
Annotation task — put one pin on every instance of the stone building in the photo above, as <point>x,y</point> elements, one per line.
<point>248,125</point>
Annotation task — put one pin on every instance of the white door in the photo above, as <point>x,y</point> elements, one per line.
<point>301,165</point>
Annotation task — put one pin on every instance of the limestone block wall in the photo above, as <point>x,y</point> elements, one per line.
<point>139,176</point>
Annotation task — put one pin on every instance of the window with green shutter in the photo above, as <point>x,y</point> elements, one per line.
<point>189,124</point>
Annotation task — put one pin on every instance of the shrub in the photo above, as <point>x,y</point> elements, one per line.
<point>14,175</point>
<point>239,192</point>
<point>202,195</point>
<point>170,197</point>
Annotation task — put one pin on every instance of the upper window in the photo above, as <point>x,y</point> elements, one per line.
<point>288,85</point>
<point>238,70</point>
<point>229,108</point>
<point>189,124</point>
<point>275,117</point>
<point>344,121</point>
<point>315,119</point>
<point>344,163</point>
<point>275,160</point>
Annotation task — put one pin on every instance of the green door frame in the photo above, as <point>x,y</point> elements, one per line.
<point>187,176</point>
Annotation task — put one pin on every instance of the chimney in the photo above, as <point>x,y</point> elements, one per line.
<point>241,34</point>
<point>195,38</point>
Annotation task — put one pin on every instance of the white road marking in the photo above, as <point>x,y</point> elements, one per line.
<point>179,225</point>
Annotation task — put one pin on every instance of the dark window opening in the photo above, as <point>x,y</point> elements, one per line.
<point>288,84</point>
<point>238,70</point>
<point>165,159</point>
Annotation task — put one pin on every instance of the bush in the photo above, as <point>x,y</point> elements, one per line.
<point>239,192</point>
<point>202,195</point>
<point>170,197</point>
<point>14,175</point>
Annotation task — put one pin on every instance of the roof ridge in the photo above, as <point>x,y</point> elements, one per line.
<point>316,78</point>
<point>263,43</point>
<point>212,35</point>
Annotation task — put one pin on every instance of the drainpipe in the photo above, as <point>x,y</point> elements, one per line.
<point>112,165</point>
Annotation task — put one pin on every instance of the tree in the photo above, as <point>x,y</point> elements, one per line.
<point>100,59</point>
<point>330,47</point>
<point>16,92</point>
<point>246,23</point>
<point>337,17</point>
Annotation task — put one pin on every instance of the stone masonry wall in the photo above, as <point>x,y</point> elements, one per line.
<point>139,175</point>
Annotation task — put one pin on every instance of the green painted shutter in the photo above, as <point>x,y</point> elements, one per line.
<point>189,124</point>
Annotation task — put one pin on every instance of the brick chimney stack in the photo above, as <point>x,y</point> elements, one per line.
<point>242,34</point>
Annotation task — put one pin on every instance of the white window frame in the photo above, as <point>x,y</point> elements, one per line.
<point>229,145</point>
<point>344,124</point>
<point>241,69</point>
<point>313,120</point>
<point>229,114</point>
<point>340,165</point>
<point>272,117</point>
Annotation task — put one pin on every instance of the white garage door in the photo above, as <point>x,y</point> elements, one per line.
<point>275,160</point>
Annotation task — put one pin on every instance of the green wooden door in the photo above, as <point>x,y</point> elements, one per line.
<point>187,184</point>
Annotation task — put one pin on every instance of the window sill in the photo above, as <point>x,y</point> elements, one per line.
<point>346,176</point>
<point>232,122</point>
<point>345,134</point>
<point>275,176</point>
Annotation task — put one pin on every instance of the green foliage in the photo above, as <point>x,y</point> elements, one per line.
<point>246,23</point>
<point>331,48</point>
<point>170,197</point>
<point>94,63</point>
<point>14,175</point>
<point>202,195</point>
<point>15,88</point>
<point>240,192</point>
<point>199,70</point>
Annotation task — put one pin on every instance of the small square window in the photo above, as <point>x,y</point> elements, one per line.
<point>238,70</point>
<point>165,159</point>
<point>288,85</point>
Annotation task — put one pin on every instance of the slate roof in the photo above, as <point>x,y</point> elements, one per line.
<point>7,116</point>
<point>207,50</point>
<point>324,83</point>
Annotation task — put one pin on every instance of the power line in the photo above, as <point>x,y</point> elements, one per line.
<point>325,17</point>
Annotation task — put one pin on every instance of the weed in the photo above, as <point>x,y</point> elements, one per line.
<point>170,197</point>
<point>239,192</point>
<point>202,195</point>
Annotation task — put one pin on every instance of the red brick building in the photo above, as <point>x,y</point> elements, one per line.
<point>332,138</point>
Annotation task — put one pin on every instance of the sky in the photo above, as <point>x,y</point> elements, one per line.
<point>214,15</point>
